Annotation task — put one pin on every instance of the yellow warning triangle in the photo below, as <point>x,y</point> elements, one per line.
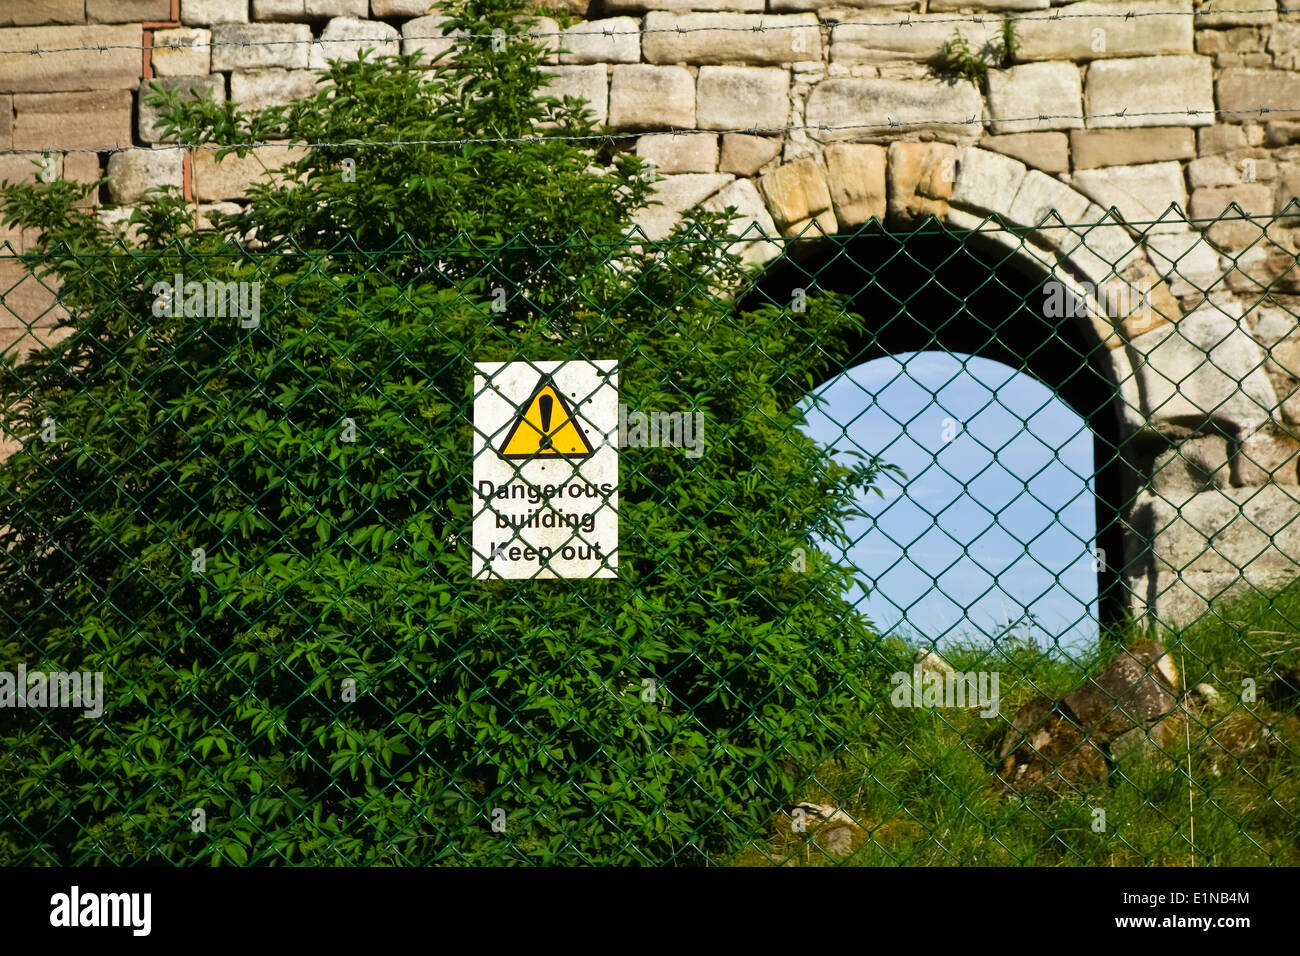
<point>546,428</point>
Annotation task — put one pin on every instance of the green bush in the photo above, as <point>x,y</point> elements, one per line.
<point>327,561</point>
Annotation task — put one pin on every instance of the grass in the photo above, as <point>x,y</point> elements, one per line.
<point>922,783</point>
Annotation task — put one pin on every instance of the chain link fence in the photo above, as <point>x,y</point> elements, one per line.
<point>631,553</point>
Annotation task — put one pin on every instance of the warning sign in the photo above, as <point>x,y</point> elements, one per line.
<point>546,470</point>
<point>546,427</point>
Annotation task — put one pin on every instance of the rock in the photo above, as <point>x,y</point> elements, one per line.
<point>1118,91</point>
<point>1049,152</point>
<point>680,153</point>
<point>856,176</point>
<point>98,120</point>
<point>115,67</point>
<point>1045,749</point>
<point>133,172</point>
<point>797,194</point>
<point>745,155</point>
<point>344,38</point>
<point>730,38</point>
<point>1095,148</point>
<point>1203,696</point>
<point>1284,44</point>
<point>186,51</point>
<point>878,110</point>
<point>931,662</point>
<point>585,82</point>
<point>612,40</point>
<point>1052,91</point>
<point>651,97</point>
<point>742,97</point>
<point>1142,194</point>
<point>256,45</point>
<point>1186,260</point>
<point>1137,688</point>
<point>1143,35</point>
<point>1158,742</point>
<point>829,827</point>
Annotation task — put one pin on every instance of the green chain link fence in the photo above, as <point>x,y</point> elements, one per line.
<point>250,509</point>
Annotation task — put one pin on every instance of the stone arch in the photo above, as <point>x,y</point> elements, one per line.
<point>1210,460</point>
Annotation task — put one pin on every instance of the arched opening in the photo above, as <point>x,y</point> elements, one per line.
<point>936,290</point>
<point>992,530</point>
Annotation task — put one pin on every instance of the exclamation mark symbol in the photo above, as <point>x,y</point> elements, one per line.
<point>544,405</point>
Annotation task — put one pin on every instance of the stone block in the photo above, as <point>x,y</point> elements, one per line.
<point>1204,372</point>
<point>742,97</point>
<point>254,46</point>
<point>98,120</point>
<point>879,39</point>
<point>1094,31</point>
<point>231,177</point>
<point>116,67</point>
<point>258,89</point>
<point>920,180</point>
<point>1233,13</point>
<point>1126,93</point>
<point>680,153</point>
<point>344,38</point>
<point>879,110</point>
<point>651,97</point>
<point>1223,171</point>
<point>855,173</point>
<point>32,13</point>
<point>1234,230</point>
<point>613,40</point>
<point>1049,152</point>
<point>986,182</point>
<point>639,6</point>
<point>1052,92</point>
<point>128,11</point>
<point>133,172</point>
<point>753,221</point>
<point>322,9</point>
<point>1095,148</point>
<point>675,195</point>
<point>585,82</point>
<point>796,194</point>
<point>1142,194</point>
<point>1277,91</point>
<point>6,121</point>
<point>400,8</point>
<point>184,51</point>
<point>206,13</point>
<point>425,34</point>
<point>730,38</point>
<point>745,155</point>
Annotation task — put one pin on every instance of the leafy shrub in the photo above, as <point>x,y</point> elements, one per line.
<point>327,561</point>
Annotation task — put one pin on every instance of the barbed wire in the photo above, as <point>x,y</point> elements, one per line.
<point>908,20</point>
<point>677,131</point>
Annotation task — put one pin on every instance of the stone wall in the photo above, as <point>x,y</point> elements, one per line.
<point>814,116</point>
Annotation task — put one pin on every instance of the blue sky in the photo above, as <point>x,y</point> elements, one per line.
<point>1012,486</point>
